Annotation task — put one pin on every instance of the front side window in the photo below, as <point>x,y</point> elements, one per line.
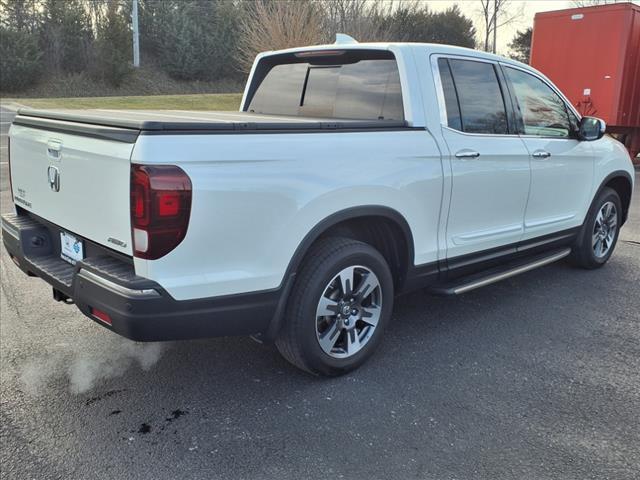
<point>480,105</point>
<point>543,111</point>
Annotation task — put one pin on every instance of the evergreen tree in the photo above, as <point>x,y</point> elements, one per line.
<point>521,46</point>
<point>19,59</point>
<point>113,50</point>
<point>66,35</point>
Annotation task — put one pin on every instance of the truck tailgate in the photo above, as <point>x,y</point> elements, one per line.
<point>78,182</point>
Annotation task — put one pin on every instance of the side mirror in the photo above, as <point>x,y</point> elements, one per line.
<point>591,128</point>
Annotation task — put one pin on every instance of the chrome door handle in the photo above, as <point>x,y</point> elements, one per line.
<point>541,154</point>
<point>466,153</point>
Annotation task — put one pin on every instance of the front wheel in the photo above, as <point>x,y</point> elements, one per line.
<point>339,306</point>
<point>600,233</point>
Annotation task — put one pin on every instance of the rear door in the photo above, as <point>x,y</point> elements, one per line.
<point>561,166</point>
<point>489,162</point>
<point>78,182</point>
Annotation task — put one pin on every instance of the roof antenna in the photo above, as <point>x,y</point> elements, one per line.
<point>343,38</point>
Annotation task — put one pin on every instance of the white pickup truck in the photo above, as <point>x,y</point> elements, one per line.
<point>352,173</point>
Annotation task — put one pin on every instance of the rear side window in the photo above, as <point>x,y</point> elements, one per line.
<point>543,111</point>
<point>358,88</point>
<point>479,102</point>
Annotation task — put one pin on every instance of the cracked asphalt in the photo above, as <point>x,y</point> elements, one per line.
<point>536,377</point>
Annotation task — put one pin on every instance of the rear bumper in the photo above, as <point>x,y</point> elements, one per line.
<point>139,309</point>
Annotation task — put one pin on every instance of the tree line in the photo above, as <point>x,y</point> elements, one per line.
<point>197,39</point>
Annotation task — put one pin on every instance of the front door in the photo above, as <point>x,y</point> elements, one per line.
<point>561,165</point>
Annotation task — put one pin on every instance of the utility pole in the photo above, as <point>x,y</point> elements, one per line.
<point>495,24</point>
<point>136,35</point>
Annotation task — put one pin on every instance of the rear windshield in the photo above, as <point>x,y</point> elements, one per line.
<point>362,85</point>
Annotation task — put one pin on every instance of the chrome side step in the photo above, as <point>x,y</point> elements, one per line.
<point>482,279</point>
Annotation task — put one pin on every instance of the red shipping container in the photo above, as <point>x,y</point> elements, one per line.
<point>593,55</point>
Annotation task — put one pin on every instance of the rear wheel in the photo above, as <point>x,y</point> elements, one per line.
<point>600,233</point>
<point>338,309</point>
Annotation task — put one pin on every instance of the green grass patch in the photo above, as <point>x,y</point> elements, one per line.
<point>217,101</point>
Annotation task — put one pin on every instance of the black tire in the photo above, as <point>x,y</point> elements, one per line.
<point>298,341</point>
<point>583,254</point>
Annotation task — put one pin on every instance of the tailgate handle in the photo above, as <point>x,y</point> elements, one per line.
<point>54,148</point>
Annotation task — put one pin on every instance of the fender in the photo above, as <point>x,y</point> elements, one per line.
<point>607,179</point>
<point>315,233</point>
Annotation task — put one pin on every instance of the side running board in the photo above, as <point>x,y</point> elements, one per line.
<point>481,279</point>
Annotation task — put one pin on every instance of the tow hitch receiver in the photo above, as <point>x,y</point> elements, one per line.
<point>58,296</point>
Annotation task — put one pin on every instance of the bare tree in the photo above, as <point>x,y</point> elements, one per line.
<point>497,14</point>
<point>361,19</point>
<point>275,25</point>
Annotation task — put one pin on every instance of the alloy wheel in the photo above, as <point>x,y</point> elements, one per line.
<point>604,230</point>
<point>348,311</point>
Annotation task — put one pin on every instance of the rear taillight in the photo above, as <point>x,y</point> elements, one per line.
<point>160,209</point>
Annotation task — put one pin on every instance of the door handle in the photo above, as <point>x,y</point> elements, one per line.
<point>541,154</point>
<point>466,153</point>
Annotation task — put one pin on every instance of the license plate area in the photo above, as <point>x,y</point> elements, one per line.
<point>71,248</point>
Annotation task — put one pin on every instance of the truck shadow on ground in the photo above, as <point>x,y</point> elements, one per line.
<point>428,335</point>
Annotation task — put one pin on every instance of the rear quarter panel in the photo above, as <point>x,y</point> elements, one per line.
<point>256,196</point>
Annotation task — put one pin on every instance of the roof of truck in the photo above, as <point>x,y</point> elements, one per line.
<point>395,46</point>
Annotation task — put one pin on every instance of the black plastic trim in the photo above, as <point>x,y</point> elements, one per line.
<point>464,265</point>
<point>102,132</point>
<point>349,214</point>
<point>421,276</point>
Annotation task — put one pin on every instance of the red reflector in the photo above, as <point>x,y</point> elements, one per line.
<point>100,315</point>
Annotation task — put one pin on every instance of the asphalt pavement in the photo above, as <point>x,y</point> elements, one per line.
<point>536,377</point>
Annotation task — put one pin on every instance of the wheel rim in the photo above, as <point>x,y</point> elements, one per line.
<point>604,230</point>
<point>348,311</point>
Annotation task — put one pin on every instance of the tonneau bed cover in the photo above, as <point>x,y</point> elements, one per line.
<point>126,125</point>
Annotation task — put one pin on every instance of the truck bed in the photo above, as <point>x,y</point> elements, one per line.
<point>126,125</point>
